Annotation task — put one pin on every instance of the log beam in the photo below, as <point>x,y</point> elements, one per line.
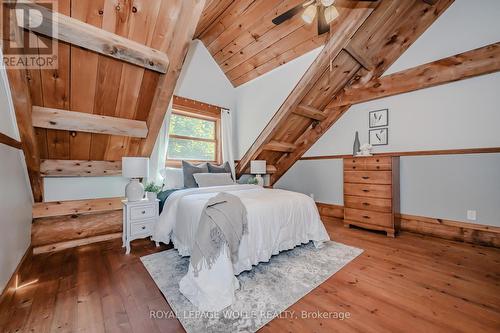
<point>75,207</point>
<point>280,146</point>
<point>86,122</point>
<point>72,168</point>
<point>21,99</point>
<point>481,61</point>
<point>89,37</point>
<point>309,112</point>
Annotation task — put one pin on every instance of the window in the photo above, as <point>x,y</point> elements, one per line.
<point>193,136</point>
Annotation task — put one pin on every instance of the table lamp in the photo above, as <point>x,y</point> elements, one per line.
<point>135,168</point>
<point>258,168</point>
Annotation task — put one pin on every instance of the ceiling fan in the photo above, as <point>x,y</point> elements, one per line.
<point>325,9</point>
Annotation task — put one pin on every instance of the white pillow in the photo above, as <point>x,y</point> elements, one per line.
<point>213,179</point>
<point>173,178</point>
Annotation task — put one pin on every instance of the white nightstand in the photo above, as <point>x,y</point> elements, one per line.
<point>139,220</point>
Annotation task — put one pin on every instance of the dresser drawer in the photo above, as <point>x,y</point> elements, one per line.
<point>368,190</point>
<point>368,177</point>
<point>354,164</point>
<point>142,228</point>
<point>142,212</point>
<point>378,163</point>
<point>369,217</point>
<point>364,203</point>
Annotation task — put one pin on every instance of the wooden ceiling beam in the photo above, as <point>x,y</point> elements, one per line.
<point>74,168</point>
<point>89,37</point>
<point>177,50</point>
<point>309,112</point>
<point>280,146</point>
<point>21,98</point>
<point>348,23</point>
<point>86,122</point>
<point>361,58</point>
<point>481,61</point>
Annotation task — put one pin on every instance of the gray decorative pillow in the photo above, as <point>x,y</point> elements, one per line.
<point>189,169</point>
<point>213,179</point>
<point>223,168</point>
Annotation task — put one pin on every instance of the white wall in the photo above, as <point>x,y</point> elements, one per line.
<point>15,193</point>
<point>200,79</point>
<point>259,99</point>
<point>463,114</point>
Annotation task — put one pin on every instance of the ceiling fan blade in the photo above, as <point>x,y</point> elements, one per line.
<point>288,14</point>
<point>323,26</point>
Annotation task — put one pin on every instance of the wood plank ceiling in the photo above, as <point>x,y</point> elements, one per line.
<point>245,43</point>
<point>88,82</point>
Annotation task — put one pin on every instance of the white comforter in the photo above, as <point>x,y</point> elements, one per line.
<point>278,220</point>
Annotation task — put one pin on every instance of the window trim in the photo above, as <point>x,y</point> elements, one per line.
<point>194,109</point>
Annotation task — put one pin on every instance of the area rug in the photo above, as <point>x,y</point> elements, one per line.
<point>266,291</point>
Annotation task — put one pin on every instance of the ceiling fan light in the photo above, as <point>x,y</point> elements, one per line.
<point>331,13</point>
<point>309,14</point>
<point>327,3</point>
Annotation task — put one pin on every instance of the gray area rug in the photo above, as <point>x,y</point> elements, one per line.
<point>267,290</point>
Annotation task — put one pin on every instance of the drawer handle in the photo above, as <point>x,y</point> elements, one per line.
<point>143,212</point>
<point>366,217</point>
<point>378,160</point>
<point>378,167</point>
<point>143,227</point>
<point>366,190</point>
<point>366,204</point>
<point>365,177</point>
<point>354,167</point>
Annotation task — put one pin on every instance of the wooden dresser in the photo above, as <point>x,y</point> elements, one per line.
<point>371,193</point>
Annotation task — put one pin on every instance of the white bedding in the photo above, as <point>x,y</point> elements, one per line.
<point>278,220</point>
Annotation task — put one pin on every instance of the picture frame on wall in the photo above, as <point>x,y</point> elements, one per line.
<point>378,137</point>
<point>378,118</point>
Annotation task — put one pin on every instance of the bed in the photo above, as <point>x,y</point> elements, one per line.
<point>278,220</point>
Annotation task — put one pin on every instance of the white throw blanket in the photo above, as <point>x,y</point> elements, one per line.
<point>278,220</point>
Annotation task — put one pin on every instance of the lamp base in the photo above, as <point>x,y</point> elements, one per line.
<point>260,180</point>
<point>134,191</point>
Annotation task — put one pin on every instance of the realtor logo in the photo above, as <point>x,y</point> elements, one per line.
<point>22,46</point>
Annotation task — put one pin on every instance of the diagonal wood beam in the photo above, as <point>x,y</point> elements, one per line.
<point>86,122</point>
<point>484,60</point>
<point>177,51</point>
<point>21,98</point>
<point>87,36</point>
<point>385,36</point>
<point>7,140</point>
<point>280,146</point>
<point>348,24</point>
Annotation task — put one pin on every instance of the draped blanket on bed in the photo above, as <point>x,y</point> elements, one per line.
<point>223,223</point>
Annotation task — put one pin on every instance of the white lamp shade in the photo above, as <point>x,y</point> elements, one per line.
<point>258,167</point>
<point>327,3</point>
<point>309,14</point>
<point>135,167</point>
<point>331,13</point>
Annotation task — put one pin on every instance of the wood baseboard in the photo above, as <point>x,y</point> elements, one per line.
<point>452,230</point>
<point>10,287</point>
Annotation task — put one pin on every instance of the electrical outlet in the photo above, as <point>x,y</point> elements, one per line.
<point>471,215</point>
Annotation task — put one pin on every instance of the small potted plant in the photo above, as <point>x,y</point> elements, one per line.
<point>152,190</point>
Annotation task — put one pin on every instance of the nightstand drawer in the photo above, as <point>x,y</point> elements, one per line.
<point>141,228</point>
<point>142,212</point>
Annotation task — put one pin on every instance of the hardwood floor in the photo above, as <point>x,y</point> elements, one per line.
<point>410,283</point>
